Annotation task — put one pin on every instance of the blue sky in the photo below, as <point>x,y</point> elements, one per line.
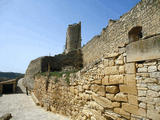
<point>34,28</point>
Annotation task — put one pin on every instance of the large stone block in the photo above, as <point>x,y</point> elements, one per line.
<point>130,68</point>
<point>104,102</point>
<point>122,112</point>
<point>97,81</point>
<point>121,69</point>
<point>116,79</point>
<point>99,89</point>
<point>111,70</point>
<point>130,108</point>
<point>121,97</point>
<point>153,114</point>
<point>112,89</point>
<point>105,80</point>
<point>115,104</point>
<point>128,89</point>
<point>133,100</point>
<point>130,79</point>
<point>143,49</point>
<point>110,96</point>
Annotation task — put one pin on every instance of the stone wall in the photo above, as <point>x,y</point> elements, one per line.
<point>55,63</point>
<point>111,86</point>
<point>115,35</point>
<point>148,85</point>
<point>108,89</point>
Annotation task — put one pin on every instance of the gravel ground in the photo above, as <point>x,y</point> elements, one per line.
<point>22,107</point>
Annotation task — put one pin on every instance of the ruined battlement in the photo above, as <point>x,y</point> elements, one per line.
<point>73,37</point>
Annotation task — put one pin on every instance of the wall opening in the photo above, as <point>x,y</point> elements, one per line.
<point>7,88</point>
<point>135,34</point>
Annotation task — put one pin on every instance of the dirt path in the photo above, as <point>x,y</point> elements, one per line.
<point>22,107</point>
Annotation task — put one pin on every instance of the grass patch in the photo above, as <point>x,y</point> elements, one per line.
<point>59,74</point>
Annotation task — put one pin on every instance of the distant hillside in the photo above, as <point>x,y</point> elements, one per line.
<point>9,75</point>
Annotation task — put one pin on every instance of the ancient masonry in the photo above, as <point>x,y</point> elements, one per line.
<point>120,76</point>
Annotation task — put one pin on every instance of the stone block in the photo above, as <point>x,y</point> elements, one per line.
<point>106,62</point>
<point>130,68</point>
<point>102,91</point>
<point>97,81</point>
<point>140,65</point>
<point>104,102</point>
<point>153,114</point>
<point>151,93</point>
<point>95,105</point>
<point>133,100</point>
<point>142,112</point>
<point>105,80</point>
<point>112,89</point>
<point>110,96</point>
<point>116,79</point>
<point>122,112</point>
<point>128,89</point>
<point>152,68</point>
<point>111,70</point>
<point>121,69</point>
<point>142,99</point>
<point>121,97</point>
<point>159,67</point>
<point>149,63</point>
<point>150,80</point>
<point>119,60</point>
<point>99,89</point>
<point>85,96</point>
<point>142,70</point>
<point>142,105</point>
<point>116,104</point>
<point>130,108</point>
<point>142,93</point>
<point>155,74</point>
<point>153,86</point>
<point>86,87</point>
<point>130,79</point>
<point>143,74</point>
<point>111,62</point>
<point>91,112</point>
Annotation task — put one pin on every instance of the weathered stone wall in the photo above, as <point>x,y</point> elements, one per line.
<point>148,85</point>
<point>144,14</point>
<point>56,63</point>
<point>99,91</point>
<point>111,87</point>
<point>73,37</point>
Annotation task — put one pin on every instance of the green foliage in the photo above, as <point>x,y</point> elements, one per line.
<point>59,74</point>
<point>10,75</point>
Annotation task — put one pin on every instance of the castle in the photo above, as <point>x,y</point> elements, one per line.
<point>119,70</point>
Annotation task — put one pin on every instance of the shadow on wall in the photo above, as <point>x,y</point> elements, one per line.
<point>72,59</point>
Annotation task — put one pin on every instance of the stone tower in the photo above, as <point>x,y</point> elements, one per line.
<point>73,37</point>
